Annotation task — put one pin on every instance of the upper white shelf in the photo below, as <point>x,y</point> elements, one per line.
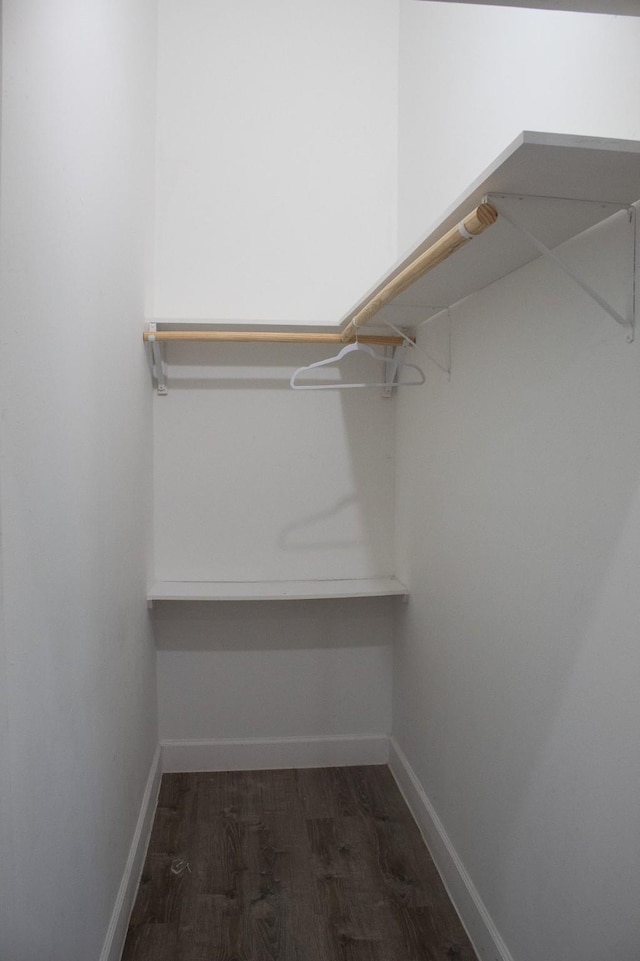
<point>556,185</point>
<point>551,187</point>
<point>274,590</point>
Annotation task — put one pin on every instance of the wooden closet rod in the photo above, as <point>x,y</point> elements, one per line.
<point>270,336</point>
<point>472,225</point>
<point>468,228</point>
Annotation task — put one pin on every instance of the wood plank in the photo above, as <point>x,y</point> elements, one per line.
<point>327,792</point>
<point>304,865</point>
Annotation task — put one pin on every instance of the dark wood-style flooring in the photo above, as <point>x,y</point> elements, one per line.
<point>298,865</point>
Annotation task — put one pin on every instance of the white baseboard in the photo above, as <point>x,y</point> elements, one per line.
<point>478,924</point>
<point>117,930</point>
<point>271,753</point>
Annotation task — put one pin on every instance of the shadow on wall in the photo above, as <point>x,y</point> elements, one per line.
<point>299,535</point>
<point>258,483</point>
<point>273,625</point>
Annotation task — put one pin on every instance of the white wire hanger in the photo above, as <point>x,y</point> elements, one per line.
<point>393,368</point>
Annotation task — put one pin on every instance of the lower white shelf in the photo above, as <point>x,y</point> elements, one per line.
<point>274,590</point>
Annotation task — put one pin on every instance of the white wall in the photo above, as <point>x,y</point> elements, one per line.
<point>276,174</point>
<point>255,481</point>
<point>78,713</point>
<point>274,669</point>
<point>275,202</point>
<point>516,661</point>
<point>506,71</point>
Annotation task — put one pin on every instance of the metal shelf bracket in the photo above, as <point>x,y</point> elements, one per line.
<point>390,372</point>
<point>397,357</point>
<point>157,361</point>
<point>627,322</point>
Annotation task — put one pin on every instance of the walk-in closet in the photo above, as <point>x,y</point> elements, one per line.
<point>319,480</point>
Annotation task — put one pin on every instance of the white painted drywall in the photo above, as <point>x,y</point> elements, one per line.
<point>276,202</point>
<point>276,163</point>
<point>255,481</point>
<point>274,669</point>
<point>78,708</point>
<point>473,77</point>
<point>516,661</point>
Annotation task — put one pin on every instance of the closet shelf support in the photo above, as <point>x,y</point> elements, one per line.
<point>157,359</point>
<point>396,357</point>
<point>627,322</point>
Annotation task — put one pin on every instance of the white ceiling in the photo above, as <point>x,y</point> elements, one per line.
<point>630,8</point>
